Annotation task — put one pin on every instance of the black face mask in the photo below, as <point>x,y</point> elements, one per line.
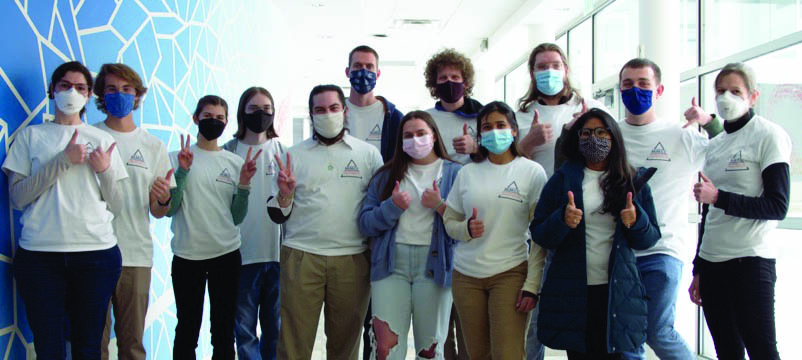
<point>258,121</point>
<point>450,91</point>
<point>211,128</point>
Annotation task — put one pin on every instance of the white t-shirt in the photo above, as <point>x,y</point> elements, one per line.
<point>261,237</point>
<point>330,184</point>
<point>557,116</point>
<point>678,154</point>
<point>71,215</point>
<point>450,126</point>
<point>505,197</point>
<point>145,158</point>
<point>365,122</point>
<point>417,222</point>
<point>735,163</point>
<point>203,228</point>
<point>599,229</point>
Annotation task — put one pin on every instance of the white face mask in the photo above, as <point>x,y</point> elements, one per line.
<point>731,106</point>
<point>70,101</point>
<point>329,125</point>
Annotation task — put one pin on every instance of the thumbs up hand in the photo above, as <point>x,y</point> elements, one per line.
<point>431,197</point>
<point>476,228</point>
<point>573,215</point>
<point>696,115</point>
<point>464,144</point>
<point>160,189</point>
<point>704,191</point>
<point>76,153</point>
<point>628,214</point>
<point>401,198</point>
<point>541,133</point>
<point>99,159</point>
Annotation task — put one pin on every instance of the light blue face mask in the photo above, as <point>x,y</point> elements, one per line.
<point>497,141</point>
<point>550,82</point>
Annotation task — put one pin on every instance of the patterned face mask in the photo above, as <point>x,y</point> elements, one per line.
<point>595,149</point>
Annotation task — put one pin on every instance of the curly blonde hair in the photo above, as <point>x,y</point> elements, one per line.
<point>449,58</point>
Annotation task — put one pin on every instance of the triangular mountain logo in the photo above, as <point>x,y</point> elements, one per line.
<point>659,153</point>
<point>351,170</point>
<point>89,147</point>
<point>511,192</point>
<point>225,177</point>
<point>375,134</point>
<point>737,163</point>
<point>137,160</point>
<point>271,169</point>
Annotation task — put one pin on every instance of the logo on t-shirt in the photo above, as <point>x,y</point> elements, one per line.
<point>471,131</point>
<point>511,193</point>
<point>659,153</point>
<point>375,134</point>
<point>89,147</point>
<point>737,163</point>
<point>351,170</point>
<point>137,160</point>
<point>271,169</point>
<point>225,177</point>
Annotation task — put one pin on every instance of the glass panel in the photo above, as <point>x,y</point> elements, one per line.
<point>687,90</point>
<point>580,57</point>
<point>498,90</point>
<point>735,25</point>
<point>562,42</point>
<point>689,34</point>
<point>517,83</point>
<point>616,36</point>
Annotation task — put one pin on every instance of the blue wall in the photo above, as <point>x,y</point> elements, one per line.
<point>182,49</point>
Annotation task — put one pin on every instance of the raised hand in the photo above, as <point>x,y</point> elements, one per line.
<point>525,303</point>
<point>285,179</point>
<point>100,160</point>
<point>401,198</point>
<point>76,153</point>
<point>160,189</point>
<point>628,214</point>
<point>705,192</point>
<point>248,168</point>
<point>185,156</point>
<point>431,197</point>
<point>541,133</point>
<point>476,228</point>
<point>693,291</point>
<point>578,114</point>
<point>696,115</point>
<point>572,215</point>
<point>464,144</point>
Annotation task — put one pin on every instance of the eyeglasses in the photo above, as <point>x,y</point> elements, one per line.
<point>599,132</point>
<point>64,85</point>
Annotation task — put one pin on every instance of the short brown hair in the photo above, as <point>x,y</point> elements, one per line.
<point>449,58</point>
<point>639,63</point>
<point>62,71</point>
<point>124,72</point>
<point>744,71</point>
<point>365,49</point>
<point>210,100</point>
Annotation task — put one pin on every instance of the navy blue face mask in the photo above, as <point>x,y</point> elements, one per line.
<point>363,81</point>
<point>637,100</point>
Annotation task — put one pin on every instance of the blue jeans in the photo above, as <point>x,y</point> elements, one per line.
<point>660,275</point>
<point>534,348</point>
<point>67,286</point>
<point>258,297</point>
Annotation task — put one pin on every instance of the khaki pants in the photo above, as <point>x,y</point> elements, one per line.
<point>491,325</point>
<point>308,281</point>
<point>130,304</point>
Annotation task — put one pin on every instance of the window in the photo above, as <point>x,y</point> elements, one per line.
<point>616,37</point>
<point>516,84</point>
<point>736,25</point>
<point>562,42</point>
<point>580,57</point>
<point>689,34</point>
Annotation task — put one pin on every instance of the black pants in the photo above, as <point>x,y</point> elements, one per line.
<point>189,286</point>
<point>596,328</point>
<point>738,302</point>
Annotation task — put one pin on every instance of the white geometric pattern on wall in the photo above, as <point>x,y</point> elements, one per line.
<point>182,49</point>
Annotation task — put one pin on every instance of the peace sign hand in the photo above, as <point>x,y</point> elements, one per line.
<point>185,156</point>
<point>248,168</point>
<point>285,180</point>
<point>100,160</point>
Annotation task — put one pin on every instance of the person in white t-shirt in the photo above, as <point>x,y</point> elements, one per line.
<point>745,189</point>
<point>450,79</point>
<point>258,297</point>
<point>411,254</point>
<point>550,105</point>
<point>207,206</point>
<point>489,210</point>
<point>324,257</point>
<point>145,193</point>
<point>65,177</point>
<point>594,211</point>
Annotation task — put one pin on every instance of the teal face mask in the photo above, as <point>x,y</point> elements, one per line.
<point>497,141</point>
<point>549,82</point>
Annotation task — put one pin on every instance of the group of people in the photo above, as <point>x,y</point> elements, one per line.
<point>493,231</point>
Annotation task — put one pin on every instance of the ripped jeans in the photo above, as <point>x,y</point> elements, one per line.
<point>407,295</point>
